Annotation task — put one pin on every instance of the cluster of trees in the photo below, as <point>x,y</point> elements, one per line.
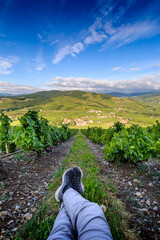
<point>34,133</point>
<point>130,144</point>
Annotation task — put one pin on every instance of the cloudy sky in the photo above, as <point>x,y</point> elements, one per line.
<point>92,45</point>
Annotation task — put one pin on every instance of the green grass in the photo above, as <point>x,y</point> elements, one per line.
<point>97,189</point>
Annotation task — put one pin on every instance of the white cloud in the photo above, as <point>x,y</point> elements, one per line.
<point>54,42</point>
<point>39,36</point>
<point>6,66</point>
<point>68,50</point>
<point>7,87</point>
<point>117,68</point>
<point>140,84</point>
<point>126,34</point>
<point>95,37</point>
<point>158,65</point>
<point>125,69</point>
<point>134,69</point>
<point>39,61</point>
<point>95,33</point>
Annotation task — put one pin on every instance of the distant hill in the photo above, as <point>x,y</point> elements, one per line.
<point>152,99</point>
<point>42,97</point>
<point>81,108</point>
<point>5,94</point>
<point>119,94</point>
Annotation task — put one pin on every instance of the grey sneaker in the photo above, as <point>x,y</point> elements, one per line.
<point>77,180</point>
<point>66,184</point>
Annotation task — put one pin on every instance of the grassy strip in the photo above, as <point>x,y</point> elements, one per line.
<point>97,189</point>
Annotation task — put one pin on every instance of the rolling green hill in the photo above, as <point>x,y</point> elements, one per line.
<point>81,109</point>
<point>152,99</point>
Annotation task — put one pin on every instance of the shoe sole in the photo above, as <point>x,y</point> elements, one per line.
<point>59,189</point>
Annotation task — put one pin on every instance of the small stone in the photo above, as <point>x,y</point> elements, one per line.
<point>155,208</point>
<point>148,202</point>
<point>28,216</point>
<point>34,210</point>
<point>17,207</point>
<point>15,229</point>
<point>136,188</point>
<point>3,214</point>
<point>136,181</point>
<point>123,180</point>
<point>1,203</point>
<point>138,194</point>
<point>25,210</point>
<point>144,210</point>
<point>150,184</point>
<point>130,183</point>
<point>10,222</point>
<point>103,208</point>
<point>154,202</point>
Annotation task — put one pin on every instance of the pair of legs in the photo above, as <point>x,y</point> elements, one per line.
<point>78,218</point>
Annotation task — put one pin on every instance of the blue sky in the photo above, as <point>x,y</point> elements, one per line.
<point>92,45</point>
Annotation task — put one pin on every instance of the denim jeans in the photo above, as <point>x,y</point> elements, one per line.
<point>79,219</point>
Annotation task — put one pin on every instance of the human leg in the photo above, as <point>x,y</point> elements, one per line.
<point>86,217</point>
<point>62,228</point>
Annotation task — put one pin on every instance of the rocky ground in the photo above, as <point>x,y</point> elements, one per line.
<point>24,189</point>
<point>139,188</point>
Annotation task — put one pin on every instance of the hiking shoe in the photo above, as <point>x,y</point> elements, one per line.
<point>77,180</point>
<point>66,184</point>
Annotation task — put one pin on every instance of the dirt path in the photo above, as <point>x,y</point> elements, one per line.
<point>26,186</point>
<point>139,188</point>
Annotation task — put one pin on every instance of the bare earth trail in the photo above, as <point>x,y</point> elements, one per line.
<point>25,188</point>
<point>138,187</point>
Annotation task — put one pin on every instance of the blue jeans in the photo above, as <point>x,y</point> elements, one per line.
<point>79,219</point>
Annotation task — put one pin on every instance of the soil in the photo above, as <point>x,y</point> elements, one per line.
<point>25,188</point>
<point>138,187</point>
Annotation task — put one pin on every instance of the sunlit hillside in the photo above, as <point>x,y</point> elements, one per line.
<point>81,109</point>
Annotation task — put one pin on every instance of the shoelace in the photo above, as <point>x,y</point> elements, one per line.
<point>77,183</point>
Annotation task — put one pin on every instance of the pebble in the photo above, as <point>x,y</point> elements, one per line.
<point>28,216</point>
<point>138,194</point>
<point>155,208</point>
<point>150,184</point>
<point>10,222</point>
<point>103,207</point>
<point>144,210</point>
<point>17,207</point>
<point>1,203</point>
<point>25,210</point>
<point>130,183</point>
<point>148,202</point>
<point>136,180</point>
<point>3,214</point>
<point>15,229</point>
<point>34,210</point>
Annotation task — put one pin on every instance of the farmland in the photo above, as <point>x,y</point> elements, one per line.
<point>82,109</point>
<point>120,163</point>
